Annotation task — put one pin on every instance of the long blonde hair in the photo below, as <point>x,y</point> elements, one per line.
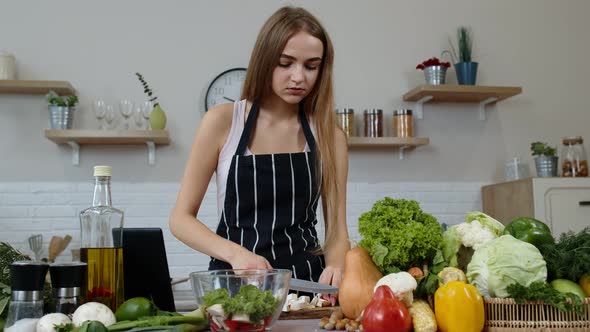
<point>272,38</point>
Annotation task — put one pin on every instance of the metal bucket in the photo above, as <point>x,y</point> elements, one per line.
<point>546,166</point>
<point>61,117</point>
<point>435,75</point>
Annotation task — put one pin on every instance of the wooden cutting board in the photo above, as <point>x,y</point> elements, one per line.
<point>315,313</point>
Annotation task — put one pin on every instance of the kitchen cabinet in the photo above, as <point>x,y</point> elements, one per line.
<point>562,203</point>
<point>482,95</point>
<point>75,138</point>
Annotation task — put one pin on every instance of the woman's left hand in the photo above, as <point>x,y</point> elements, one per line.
<point>331,276</point>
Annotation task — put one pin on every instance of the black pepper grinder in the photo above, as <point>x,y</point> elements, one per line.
<point>66,283</point>
<point>27,279</point>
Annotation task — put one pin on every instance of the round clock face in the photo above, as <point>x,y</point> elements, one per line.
<point>225,88</point>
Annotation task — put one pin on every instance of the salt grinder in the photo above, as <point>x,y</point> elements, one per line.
<point>27,279</point>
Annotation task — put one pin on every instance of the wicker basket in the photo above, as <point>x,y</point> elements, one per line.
<point>505,315</point>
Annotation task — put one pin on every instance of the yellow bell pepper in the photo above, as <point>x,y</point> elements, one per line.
<point>458,307</point>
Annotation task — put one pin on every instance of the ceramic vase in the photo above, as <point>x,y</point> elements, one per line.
<point>466,72</point>
<point>157,118</point>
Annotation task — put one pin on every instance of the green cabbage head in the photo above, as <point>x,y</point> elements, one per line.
<point>502,262</point>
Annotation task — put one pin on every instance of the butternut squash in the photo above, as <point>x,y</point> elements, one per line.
<point>359,278</point>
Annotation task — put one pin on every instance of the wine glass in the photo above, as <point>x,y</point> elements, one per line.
<point>110,116</point>
<point>138,117</point>
<point>146,108</point>
<point>126,109</point>
<point>99,107</point>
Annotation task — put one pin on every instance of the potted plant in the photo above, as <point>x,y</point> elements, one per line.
<point>157,115</point>
<point>61,110</point>
<point>465,67</point>
<point>435,71</point>
<point>545,160</point>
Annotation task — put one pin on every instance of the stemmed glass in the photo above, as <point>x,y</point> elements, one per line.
<point>146,108</point>
<point>110,116</point>
<point>99,108</point>
<point>138,117</point>
<point>126,108</point>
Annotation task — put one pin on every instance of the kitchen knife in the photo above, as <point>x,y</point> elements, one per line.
<point>312,287</point>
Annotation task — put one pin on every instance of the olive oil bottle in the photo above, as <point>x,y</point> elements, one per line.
<point>104,279</point>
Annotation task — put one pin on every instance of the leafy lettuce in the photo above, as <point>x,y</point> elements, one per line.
<point>250,300</point>
<point>398,234</point>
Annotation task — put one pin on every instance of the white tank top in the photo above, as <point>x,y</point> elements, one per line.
<point>229,148</point>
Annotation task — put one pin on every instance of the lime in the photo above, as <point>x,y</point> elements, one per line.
<point>568,286</point>
<point>135,308</point>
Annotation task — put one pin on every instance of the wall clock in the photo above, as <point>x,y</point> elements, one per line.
<point>225,88</point>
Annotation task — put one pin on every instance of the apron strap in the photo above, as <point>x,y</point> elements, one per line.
<point>307,130</point>
<point>251,120</point>
<point>245,138</point>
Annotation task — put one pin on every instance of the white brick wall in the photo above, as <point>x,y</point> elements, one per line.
<point>53,208</point>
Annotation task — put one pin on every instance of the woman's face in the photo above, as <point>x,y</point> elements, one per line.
<point>299,67</point>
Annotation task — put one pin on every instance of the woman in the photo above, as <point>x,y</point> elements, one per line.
<point>275,153</point>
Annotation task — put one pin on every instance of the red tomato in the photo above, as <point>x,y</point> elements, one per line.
<point>385,313</point>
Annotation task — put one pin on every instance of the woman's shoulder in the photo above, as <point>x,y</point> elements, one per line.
<point>220,113</point>
<point>217,122</point>
<point>340,138</point>
<point>219,118</point>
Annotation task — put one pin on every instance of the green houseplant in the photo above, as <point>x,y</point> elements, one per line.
<point>157,115</point>
<point>465,67</point>
<point>61,110</point>
<point>545,159</point>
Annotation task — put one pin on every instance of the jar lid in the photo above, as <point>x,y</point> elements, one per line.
<point>402,111</point>
<point>344,111</point>
<point>373,111</point>
<point>103,170</point>
<point>573,140</point>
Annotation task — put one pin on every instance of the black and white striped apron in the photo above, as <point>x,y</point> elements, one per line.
<point>270,205</point>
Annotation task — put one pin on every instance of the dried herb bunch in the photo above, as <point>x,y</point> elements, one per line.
<point>147,90</point>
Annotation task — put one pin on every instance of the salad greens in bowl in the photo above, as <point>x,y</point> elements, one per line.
<point>241,300</point>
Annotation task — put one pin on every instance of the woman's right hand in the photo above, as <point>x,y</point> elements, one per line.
<point>246,259</point>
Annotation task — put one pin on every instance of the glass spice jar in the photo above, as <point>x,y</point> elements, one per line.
<point>346,120</point>
<point>574,162</point>
<point>373,122</point>
<point>403,123</point>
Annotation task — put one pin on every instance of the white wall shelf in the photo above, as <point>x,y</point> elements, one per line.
<point>482,95</point>
<point>76,138</point>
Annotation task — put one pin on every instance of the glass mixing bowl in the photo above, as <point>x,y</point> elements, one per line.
<point>252,299</point>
